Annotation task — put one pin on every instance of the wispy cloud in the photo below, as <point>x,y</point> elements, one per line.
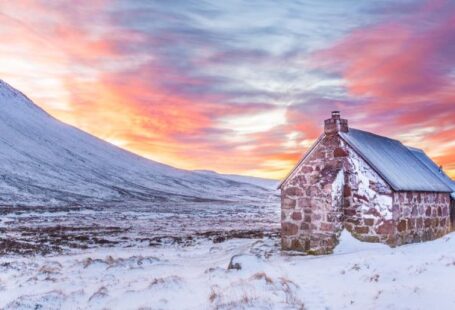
<point>238,86</point>
<point>403,68</point>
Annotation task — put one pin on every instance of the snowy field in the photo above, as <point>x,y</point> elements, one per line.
<point>227,265</point>
<point>150,236</point>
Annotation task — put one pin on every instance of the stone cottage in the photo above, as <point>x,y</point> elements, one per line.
<point>375,187</point>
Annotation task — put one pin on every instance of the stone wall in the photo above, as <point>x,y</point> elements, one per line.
<point>312,200</point>
<point>420,216</point>
<point>373,212</point>
<point>368,212</point>
<point>452,214</point>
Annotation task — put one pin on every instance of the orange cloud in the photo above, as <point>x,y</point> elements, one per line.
<point>114,95</point>
<point>105,78</point>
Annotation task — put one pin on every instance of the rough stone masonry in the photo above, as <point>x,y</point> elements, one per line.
<point>334,187</point>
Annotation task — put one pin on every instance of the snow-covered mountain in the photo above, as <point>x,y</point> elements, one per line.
<point>46,162</point>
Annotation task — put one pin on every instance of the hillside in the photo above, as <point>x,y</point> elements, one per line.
<point>46,162</point>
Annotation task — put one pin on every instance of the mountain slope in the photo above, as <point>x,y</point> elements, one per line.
<point>46,162</point>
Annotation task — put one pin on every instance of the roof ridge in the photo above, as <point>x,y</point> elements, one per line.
<point>375,134</point>
<point>414,148</point>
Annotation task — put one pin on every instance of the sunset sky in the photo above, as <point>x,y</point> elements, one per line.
<point>237,86</point>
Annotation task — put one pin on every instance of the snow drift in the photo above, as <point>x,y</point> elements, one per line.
<point>359,276</point>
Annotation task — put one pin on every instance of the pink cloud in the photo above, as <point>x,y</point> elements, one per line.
<point>404,70</point>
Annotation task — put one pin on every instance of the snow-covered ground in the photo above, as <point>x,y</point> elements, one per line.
<point>357,276</point>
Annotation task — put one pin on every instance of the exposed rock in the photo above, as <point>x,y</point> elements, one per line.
<point>387,227</point>
<point>289,229</point>
<point>297,216</point>
<point>340,152</point>
<point>401,226</point>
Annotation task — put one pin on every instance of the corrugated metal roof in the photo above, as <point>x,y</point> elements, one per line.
<point>394,162</point>
<point>420,154</point>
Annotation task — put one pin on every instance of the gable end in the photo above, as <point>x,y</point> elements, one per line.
<point>305,156</point>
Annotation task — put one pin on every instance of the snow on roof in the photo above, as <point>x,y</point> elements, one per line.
<point>420,154</point>
<point>394,162</point>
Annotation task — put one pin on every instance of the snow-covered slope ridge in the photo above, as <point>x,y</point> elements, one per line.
<point>46,162</point>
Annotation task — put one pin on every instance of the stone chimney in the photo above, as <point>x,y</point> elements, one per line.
<point>335,124</point>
